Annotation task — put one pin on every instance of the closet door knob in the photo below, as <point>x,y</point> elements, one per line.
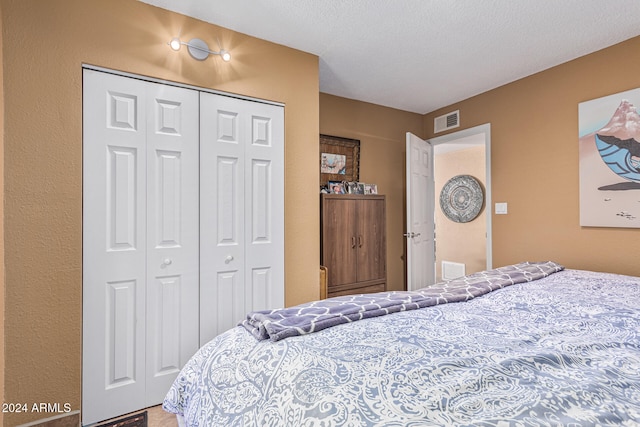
<point>167,261</point>
<point>228,259</point>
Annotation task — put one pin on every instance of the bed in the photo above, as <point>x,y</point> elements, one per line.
<point>531,344</point>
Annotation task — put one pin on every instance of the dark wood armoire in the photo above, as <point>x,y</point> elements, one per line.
<point>353,243</point>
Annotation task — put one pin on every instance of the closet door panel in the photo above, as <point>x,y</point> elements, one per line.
<point>172,234</point>
<point>222,216</point>
<point>114,248</point>
<point>261,290</point>
<point>163,358</point>
<point>120,300</point>
<point>228,292</point>
<point>228,201</point>
<point>264,202</point>
<point>242,210</point>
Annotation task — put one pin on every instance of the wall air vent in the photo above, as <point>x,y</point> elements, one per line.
<point>452,270</point>
<point>447,121</point>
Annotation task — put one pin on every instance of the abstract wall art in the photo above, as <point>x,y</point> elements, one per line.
<point>609,158</point>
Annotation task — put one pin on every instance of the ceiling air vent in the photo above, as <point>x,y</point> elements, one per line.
<point>446,122</point>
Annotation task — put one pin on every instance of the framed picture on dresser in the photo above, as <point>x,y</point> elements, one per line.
<point>336,187</point>
<point>370,189</point>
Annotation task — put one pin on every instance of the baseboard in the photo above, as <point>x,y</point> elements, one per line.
<point>72,419</point>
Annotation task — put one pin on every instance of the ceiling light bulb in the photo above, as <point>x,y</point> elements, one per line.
<point>175,43</point>
<point>226,56</point>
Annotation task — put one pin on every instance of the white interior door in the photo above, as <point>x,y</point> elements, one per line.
<point>242,211</point>
<point>140,241</point>
<point>420,213</point>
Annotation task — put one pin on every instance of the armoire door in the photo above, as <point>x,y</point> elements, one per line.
<point>140,241</point>
<point>241,210</point>
<point>339,240</point>
<point>371,234</point>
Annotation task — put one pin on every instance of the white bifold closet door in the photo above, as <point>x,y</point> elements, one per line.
<point>140,241</point>
<point>183,233</point>
<point>241,211</point>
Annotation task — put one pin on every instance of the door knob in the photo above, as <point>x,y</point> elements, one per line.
<point>166,262</point>
<point>228,259</point>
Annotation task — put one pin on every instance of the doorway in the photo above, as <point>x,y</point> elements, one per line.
<point>463,248</point>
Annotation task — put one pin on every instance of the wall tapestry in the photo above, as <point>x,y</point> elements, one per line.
<point>609,157</point>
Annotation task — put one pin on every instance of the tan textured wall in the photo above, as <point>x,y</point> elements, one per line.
<point>460,242</point>
<point>534,162</point>
<point>45,44</point>
<point>382,135</point>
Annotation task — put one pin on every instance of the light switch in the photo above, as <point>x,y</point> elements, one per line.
<point>501,208</point>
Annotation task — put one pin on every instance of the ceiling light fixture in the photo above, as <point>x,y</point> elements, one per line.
<point>198,49</point>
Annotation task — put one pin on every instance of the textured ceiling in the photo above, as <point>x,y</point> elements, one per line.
<point>420,55</point>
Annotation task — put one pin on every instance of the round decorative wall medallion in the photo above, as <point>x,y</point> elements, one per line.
<point>461,198</point>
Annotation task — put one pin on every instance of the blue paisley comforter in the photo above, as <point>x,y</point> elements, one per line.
<point>561,350</point>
